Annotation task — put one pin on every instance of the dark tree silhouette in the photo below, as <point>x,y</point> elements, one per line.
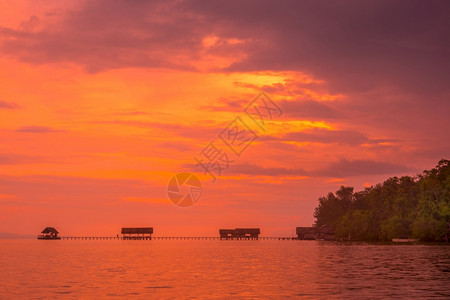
<point>416,207</point>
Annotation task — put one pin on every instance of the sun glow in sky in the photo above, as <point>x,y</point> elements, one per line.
<point>101,103</point>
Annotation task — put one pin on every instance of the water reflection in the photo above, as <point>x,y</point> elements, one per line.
<point>169,268</point>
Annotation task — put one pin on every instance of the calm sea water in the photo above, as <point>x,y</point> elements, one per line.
<point>34,269</point>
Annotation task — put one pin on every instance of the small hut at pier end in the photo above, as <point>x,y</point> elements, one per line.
<point>239,234</point>
<point>137,233</point>
<point>315,233</point>
<point>49,233</point>
<point>325,233</point>
<point>306,233</point>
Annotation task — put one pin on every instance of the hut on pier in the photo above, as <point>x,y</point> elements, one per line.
<point>49,233</point>
<point>323,232</point>
<point>240,234</point>
<point>137,233</point>
<point>306,233</point>
<point>226,233</point>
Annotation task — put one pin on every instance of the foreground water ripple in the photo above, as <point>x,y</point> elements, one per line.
<point>76,269</point>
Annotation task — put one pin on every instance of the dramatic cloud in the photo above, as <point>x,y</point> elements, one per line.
<point>126,93</point>
<point>401,43</point>
<point>104,35</point>
<point>322,39</point>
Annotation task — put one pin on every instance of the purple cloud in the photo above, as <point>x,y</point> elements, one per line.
<point>353,45</point>
<point>343,169</point>
<point>250,169</point>
<point>225,104</point>
<point>346,137</point>
<point>37,129</point>
<point>18,159</point>
<point>351,168</point>
<point>325,136</point>
<point>202,130</point>
<point>101,35</point>
<point>9,105</point>
<point>389,60</point>
<point>310,109</point>
<point>177,145</point>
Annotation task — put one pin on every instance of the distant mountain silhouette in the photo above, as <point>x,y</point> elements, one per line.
<point>10,235</point>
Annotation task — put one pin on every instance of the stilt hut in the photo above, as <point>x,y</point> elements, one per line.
<point>239,234</point>
<point>315,233</point>
<point>137,233</point>
<point>325,233</point>
<point>306,233</point>
<point>49,233</point>
<point>226,234</point>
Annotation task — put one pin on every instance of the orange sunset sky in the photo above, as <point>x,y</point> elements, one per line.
<point>102,102</point>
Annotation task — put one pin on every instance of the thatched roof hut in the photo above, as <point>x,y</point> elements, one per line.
<point>49,233</point>
<point>49,230</point>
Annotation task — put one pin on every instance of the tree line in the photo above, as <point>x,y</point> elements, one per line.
<point>406,207</point>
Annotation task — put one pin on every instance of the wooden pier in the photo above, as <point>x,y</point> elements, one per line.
<point>145,233</point>
<point>169,238</point>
